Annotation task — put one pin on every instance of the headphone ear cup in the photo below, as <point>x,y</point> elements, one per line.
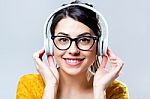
<point>104,46</point>
<point>99,45</point>
<point>49,48</point>
<point>46,45</point>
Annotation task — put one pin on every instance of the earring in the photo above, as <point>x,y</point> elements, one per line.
<point>92,70</point>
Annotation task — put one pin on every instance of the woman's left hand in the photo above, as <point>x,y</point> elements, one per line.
<point>104,77</point>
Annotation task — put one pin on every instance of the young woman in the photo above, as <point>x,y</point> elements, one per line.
<point>69,75</point>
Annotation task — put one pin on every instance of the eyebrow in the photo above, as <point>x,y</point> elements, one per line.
<point>80,35</point>
<point>83,34</point>
<point>61,33</point>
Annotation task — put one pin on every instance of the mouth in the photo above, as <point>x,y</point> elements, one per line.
<point>74,62</point>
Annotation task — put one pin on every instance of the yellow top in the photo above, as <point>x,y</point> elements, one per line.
<point>31,86</point>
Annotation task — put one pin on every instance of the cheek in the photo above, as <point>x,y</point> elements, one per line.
<point>57,54</point>
<point>55,51</point>
<point>93,50</point>
<point>91,55</point>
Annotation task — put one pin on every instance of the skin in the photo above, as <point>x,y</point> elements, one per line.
<point>70,80</point>
<point>73,53</point>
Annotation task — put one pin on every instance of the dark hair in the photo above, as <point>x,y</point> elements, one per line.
<point>78,13</point>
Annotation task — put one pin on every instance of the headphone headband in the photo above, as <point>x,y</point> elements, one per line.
<point>102,22</point>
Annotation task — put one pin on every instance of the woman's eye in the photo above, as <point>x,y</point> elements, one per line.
<point>63,40</point>
<point>85,40</point>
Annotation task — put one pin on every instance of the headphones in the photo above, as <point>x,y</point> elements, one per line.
<point>103,39</point>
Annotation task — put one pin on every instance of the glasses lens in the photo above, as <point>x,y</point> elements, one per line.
<point>61,42</point>
<point>85,43</point>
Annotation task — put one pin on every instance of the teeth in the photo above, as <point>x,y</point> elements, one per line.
<point>72,61</point>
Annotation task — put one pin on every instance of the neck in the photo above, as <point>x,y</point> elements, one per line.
<point>74,85</point>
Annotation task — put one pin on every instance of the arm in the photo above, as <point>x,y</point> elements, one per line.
<point>49,74</point>
<point>99,94</point>
<point>50,92</point>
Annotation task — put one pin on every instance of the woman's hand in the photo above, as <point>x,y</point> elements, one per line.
<point>48,72</point>
<point>104,77</point>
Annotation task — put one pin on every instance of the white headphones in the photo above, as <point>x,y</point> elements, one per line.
<point>103,39</point>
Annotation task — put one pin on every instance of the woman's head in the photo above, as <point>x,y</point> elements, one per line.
<point>75,25</point>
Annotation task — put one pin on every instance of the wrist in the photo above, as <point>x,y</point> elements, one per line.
<point>52,88</point>
<point>99,93</point>
<point>51,85</point>
<point>99,87</point>
<point>50,92</point>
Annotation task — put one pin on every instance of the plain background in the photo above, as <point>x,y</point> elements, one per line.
<point>21,34</point>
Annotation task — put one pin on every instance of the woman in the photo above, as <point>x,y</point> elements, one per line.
<point>75,51</point>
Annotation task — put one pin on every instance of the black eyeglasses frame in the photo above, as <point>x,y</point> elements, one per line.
<point>75,39</point>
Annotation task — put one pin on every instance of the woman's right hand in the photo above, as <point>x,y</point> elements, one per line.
<point>48,71</point>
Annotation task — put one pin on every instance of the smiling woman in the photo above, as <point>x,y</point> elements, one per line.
<point>75,34</point>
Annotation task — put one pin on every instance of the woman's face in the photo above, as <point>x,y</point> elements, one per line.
<point>73,61</point>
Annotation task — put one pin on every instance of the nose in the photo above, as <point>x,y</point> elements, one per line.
<point>73,50</point>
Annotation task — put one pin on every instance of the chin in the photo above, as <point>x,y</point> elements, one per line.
<point>72,71</point>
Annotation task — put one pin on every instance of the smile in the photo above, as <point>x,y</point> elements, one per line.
<point>73,62</point>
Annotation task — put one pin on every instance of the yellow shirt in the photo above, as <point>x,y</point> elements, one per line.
<point>31,86</point>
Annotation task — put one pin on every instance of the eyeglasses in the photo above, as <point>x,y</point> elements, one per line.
<point>83,43</point>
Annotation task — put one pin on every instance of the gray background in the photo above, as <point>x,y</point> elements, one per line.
<point>21,34</point>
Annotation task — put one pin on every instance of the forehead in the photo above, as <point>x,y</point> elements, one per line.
<point>72,27</point>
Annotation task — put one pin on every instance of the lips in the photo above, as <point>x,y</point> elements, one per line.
<point>74,62</point>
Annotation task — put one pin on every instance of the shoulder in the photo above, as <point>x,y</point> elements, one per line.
<point>31,79</point>
<point>117,90</point>
<point>30,85</point>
